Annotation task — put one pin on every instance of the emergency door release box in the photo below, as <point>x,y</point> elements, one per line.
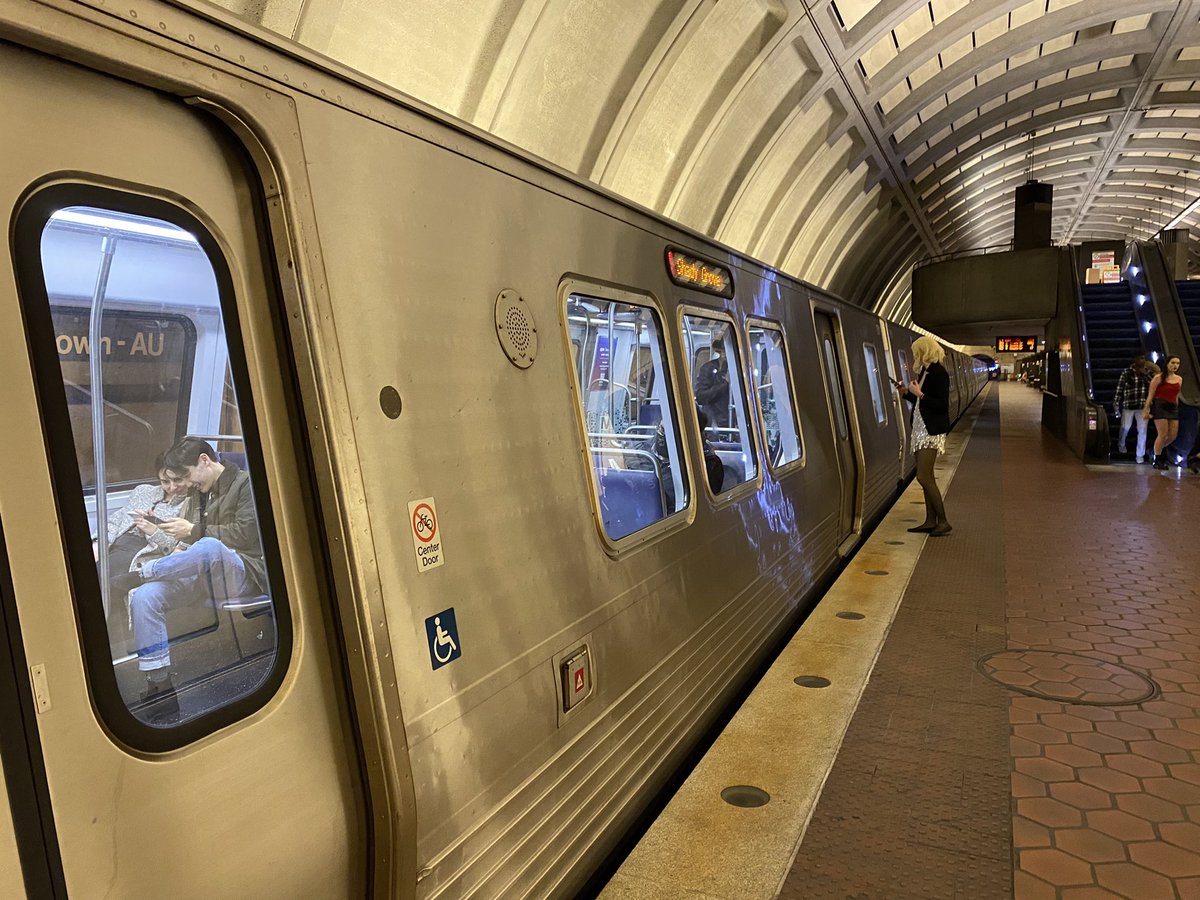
<point>576,673</point>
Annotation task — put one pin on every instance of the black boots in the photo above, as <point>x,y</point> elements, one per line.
<point>161,701</point>
<point>1160,461</point>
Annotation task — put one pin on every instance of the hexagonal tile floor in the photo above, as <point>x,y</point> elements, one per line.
<point>1068,676</point>
<point>1106,773</point>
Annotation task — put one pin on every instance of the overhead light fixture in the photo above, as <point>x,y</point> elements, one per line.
<point>1191,208</point>
<point>155,228</point>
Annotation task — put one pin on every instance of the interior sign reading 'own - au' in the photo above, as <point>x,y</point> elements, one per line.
<point>426,534</point>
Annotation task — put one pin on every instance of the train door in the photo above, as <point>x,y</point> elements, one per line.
<point>190,715</point>
<point>898,404</point>
<point>831,366</point>
<point>28,852</point>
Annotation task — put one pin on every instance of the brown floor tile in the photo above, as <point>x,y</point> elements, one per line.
<point>1152,809</point>
<point>1026,887</point>
<point>1167,859</point>
<point>1182,834</point>
<point>1109,780</point>
<point>1051,813</point>
<point>1081,796</point>
<point>1055,867</point>
<point>1134,882</point>
<point>1137,766</point>
<point>1076,757</point>
<point>1045,770</point>
<point>1090,845</point>
<point>1028,834</point>
<point>1089,893</point>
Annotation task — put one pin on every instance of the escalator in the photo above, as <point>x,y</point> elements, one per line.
<point>1189,300</point>
<point>1112,341</point>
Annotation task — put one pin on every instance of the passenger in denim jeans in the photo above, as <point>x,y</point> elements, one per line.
<point>224,560</point>
<point>1128,400</point>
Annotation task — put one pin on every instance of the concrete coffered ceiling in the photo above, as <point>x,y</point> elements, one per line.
<point>840,140</point>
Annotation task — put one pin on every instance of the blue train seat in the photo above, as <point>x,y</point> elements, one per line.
<point>649,414</point>
<point>735,468</point>
<point>630,499</point>
<point>237,457</point>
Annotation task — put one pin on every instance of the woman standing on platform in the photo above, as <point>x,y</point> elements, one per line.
<point>929,393</point>
<point>1162,403</point>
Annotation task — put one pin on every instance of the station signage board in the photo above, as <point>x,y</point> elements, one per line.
<point>1009,344</point>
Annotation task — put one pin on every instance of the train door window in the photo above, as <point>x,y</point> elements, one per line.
<point>875,379</point>
<point>621,373</point>
<point>176,593</point>
<point>773,385</point>
<point>835,385</point>
<point>905,370</point>
<point>720,395</point>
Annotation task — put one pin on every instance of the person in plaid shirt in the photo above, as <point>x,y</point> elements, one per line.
<point>1130,397</point>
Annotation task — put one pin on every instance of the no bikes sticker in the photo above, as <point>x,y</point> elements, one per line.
<point>426,534</point>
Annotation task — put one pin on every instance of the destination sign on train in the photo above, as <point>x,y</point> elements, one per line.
<point>1016,345</point>
<point>700,274</point>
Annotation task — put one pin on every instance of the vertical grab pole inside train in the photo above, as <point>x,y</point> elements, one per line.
<point>95,360</point>
<point>611,426</point>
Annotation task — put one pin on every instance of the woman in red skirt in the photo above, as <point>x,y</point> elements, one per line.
<point>1162,403</point>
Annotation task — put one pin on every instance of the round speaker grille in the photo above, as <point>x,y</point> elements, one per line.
<point>516,329</point>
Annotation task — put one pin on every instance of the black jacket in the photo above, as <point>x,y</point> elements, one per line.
<point>935,405</point>
<point>712,391</point>
<point>227,513</point>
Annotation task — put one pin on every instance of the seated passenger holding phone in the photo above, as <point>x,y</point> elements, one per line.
<point>133,534</point>
<point>220,556</point>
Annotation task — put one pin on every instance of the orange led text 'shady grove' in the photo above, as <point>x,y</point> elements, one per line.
<point>706,276</point>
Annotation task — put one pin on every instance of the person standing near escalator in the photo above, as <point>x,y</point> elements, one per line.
<point>1162,404</point>
<point>1129,399</point>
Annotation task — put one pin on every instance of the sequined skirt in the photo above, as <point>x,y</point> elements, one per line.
<point>921,438</point>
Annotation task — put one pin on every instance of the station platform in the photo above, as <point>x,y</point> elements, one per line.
<point>1010,710</point>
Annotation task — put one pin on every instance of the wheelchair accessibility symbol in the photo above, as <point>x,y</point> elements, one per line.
<point>442,634</point>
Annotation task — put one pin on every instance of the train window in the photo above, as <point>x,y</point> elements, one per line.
<point>875,379</point>
<point>905,370</point>
<point>773,384</point>
<point>184,609</point>
<point>621,371</point>
<point>720,395</point>
<point>835,385</point>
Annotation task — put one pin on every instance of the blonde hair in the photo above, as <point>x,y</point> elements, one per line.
<point>927,350</point>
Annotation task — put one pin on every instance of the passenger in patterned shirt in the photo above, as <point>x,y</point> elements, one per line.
<point>1130,397</point>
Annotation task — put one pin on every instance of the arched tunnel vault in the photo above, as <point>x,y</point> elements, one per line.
<point>840,140</point>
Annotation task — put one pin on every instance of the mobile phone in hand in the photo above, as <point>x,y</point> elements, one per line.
<point>152,519</point>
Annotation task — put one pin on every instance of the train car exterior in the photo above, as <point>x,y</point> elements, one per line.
<point>534,477</point>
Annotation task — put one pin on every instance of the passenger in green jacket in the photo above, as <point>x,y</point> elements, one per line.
<point>220,557</point>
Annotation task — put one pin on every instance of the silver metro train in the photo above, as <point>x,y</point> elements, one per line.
<point>531,479</point>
